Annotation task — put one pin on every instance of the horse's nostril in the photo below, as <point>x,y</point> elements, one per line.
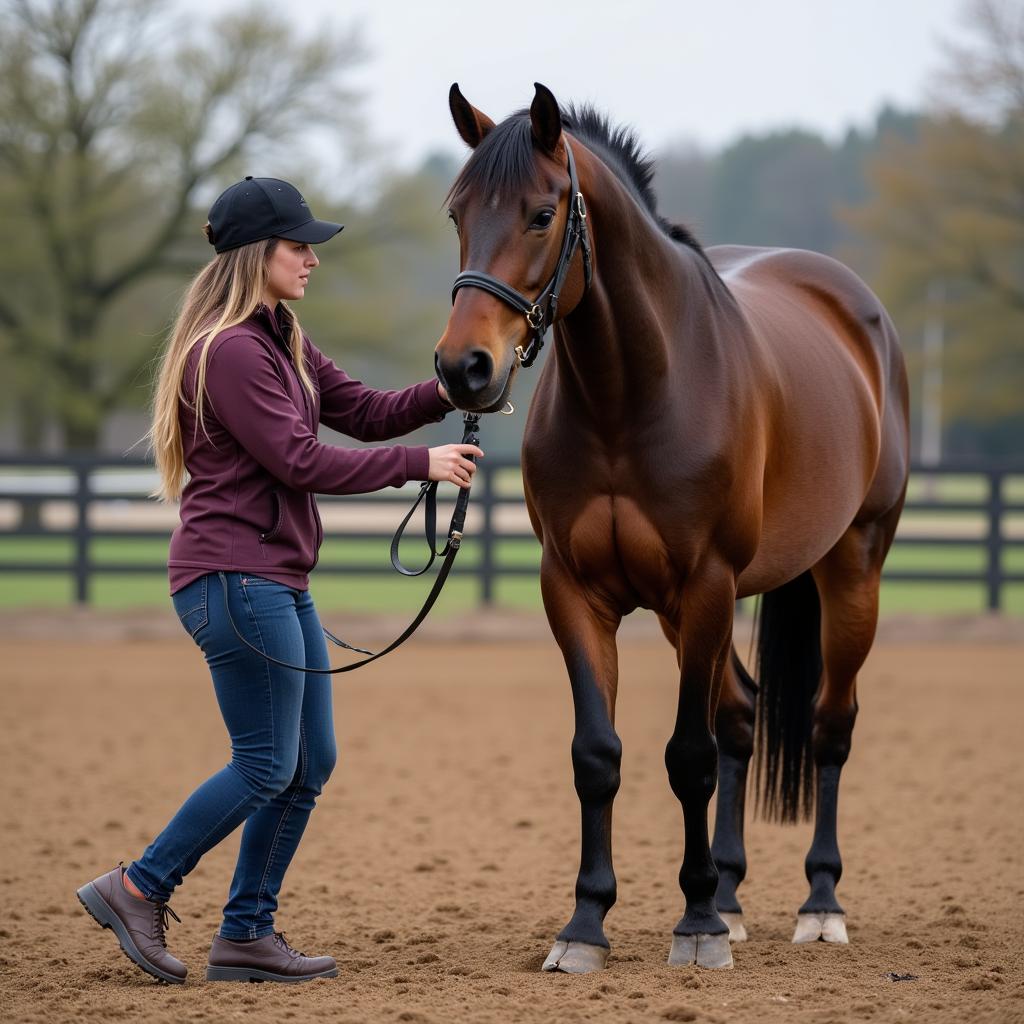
<point>477,368</point>
<point>439,373</point>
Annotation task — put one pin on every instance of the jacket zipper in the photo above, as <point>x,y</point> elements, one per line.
<point>309,415</point>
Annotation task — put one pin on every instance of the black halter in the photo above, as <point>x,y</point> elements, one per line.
<point>540,314</point>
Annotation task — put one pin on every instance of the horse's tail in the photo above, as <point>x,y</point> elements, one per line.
<point>788,672</point>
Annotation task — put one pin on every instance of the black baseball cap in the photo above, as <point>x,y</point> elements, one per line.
<point>259,208</point>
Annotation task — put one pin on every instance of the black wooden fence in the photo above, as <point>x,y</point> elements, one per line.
<point>29,483</point>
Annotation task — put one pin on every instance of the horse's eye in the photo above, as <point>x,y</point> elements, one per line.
<point>543,220</point>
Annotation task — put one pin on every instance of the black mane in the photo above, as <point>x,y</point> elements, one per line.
<point>503,162</point>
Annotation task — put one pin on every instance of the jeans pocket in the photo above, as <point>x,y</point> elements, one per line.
<point>258,581</point>
<point>192,606</point>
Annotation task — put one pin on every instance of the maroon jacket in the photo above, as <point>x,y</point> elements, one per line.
<point>249,505</point>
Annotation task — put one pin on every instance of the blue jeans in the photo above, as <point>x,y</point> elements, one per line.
<point>282,745</point>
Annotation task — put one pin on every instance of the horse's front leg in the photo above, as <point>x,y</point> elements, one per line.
<point>585,632</point>
<point>705,631</point>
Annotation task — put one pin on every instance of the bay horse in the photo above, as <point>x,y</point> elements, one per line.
<point>709,425</point>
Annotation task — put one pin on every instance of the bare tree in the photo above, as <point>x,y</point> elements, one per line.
<point>116,119</point>
<point>983,76</point>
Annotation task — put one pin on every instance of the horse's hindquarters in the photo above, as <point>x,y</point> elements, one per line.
<point>835,418</point>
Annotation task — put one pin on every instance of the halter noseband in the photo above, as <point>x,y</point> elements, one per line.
<point>540,314</point>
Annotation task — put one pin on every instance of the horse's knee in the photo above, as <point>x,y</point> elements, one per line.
<point>596,757</point>
<point>692,765</point>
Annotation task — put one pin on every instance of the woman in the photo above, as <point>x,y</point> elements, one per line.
<point>240,393</point>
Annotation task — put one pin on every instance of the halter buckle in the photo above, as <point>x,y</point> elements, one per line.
<point>581,206</point>
<point>535,316</point>
<point>520,354</point>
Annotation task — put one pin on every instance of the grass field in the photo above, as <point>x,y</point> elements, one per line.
<point>387,592</point>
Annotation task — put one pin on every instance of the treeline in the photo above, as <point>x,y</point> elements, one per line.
<point>113,141</point>
<point>783,187</point>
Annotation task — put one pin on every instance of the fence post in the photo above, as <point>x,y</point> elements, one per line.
<point>82,499</point>
<point>487,540</point>
<point>994,543</point>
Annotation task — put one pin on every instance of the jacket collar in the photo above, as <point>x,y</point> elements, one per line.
<point>271,323</point>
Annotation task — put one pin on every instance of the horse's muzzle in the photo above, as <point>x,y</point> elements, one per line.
<point>469,378</point>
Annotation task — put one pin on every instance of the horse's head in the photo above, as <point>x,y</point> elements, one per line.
<point>520,218</point>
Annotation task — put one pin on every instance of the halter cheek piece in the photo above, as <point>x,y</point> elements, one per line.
<point>541,313</point>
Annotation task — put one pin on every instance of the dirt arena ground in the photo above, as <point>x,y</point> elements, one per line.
<point>441,859</point>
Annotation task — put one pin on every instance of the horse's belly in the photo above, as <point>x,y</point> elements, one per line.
<point>814,485</point>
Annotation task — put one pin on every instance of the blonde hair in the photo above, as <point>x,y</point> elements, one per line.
<point>224,293</point>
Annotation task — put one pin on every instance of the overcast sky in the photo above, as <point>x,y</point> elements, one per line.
<point>704,71</point>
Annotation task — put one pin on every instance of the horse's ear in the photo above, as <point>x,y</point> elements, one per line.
<point>546,118</point>
<point>472,125</point>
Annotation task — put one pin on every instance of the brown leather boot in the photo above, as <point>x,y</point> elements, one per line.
<point>266,959</point>
<point>138,924</point>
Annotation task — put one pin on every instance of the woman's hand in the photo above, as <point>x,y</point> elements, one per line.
<point>449,463</point>
<point>443,394</point>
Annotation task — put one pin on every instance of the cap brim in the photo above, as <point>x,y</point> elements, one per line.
<point>313,231</point>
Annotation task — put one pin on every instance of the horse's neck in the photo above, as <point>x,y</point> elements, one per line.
<point>624,338</point>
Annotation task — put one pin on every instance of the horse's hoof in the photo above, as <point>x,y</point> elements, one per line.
<point>833,929</point>
<point>575,958</point>
<point>703,950</point>
<point>823,927</point>
<point>737,929</point>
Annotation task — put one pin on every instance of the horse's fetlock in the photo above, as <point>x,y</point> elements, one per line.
<point>823,862</point>
<point>597,886</point>
<point>725,894</point>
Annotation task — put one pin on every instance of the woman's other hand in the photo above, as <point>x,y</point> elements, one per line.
<point>449,463</point>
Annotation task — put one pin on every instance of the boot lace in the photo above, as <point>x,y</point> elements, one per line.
<point>161,912</point>
<point>282,943</point>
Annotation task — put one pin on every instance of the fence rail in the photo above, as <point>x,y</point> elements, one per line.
<point>31,484</point>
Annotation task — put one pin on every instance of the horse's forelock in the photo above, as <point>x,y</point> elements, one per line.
<point>503,162</point>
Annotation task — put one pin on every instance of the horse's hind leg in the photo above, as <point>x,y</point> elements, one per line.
<point>734,731</point>
<point>847,579</point>
<point>705,630</point>
<point>586,636</point>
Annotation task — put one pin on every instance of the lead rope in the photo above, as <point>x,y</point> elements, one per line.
<point>428,492</point>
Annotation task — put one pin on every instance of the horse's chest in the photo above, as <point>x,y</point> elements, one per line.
<point>614,545</point>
